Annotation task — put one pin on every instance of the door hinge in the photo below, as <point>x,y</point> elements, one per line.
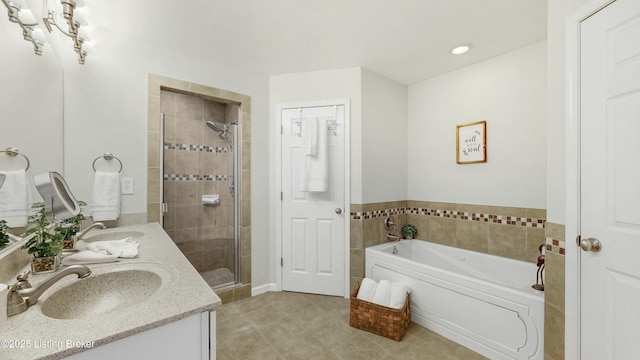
<point>281,129</point>
<point>281,196</point>
<point>165,207</point>
<point>281,262</point>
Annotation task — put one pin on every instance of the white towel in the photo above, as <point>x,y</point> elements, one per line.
<point>314,173</point>
<point>367,289</point>
<point>382,295</point>
<point>88,257</point>
<point>398,295</point>
<point>126,248</point>
<point>14,198</point>
<point>105,198</point>
<point>310,137</point>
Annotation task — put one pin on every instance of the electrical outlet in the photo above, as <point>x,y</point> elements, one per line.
<point>126,186</point>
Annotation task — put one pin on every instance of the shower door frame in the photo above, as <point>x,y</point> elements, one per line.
<point>242,173</point>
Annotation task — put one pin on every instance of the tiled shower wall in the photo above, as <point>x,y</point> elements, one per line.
<point>504,231</point>
<point>197,162</point>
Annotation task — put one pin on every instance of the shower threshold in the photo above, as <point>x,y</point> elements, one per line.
<point>218,278</point>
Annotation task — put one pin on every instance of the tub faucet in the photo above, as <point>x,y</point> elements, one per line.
<point>85,231</point>
<point>22,295</point>
<point>392,237</point>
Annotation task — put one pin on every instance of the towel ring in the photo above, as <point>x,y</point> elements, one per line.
<point>11,151</point>
<point>106,156</point>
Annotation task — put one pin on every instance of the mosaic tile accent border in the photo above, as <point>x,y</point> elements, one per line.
<point>191,147</point>
<point>462,215</point>
<point>376,213</point>
<point>196,177</point>
<point>555,246</point>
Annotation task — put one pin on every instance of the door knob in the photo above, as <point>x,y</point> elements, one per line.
<point>591,244</point>
<point>338,211</point>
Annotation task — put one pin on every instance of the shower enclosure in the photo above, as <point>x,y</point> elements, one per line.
<point>200,195</point>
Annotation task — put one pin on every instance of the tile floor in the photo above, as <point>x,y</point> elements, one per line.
<point>286,325</point>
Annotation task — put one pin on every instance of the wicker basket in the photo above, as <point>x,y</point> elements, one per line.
<point>378,319</point>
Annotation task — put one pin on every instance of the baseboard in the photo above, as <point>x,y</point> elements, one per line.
<point>264,289</point>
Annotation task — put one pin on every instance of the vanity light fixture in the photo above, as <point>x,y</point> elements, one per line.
<point>73,25</point>
<point>29,25</point>
<point>461,49</point>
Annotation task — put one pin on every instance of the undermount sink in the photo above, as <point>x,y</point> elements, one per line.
<point>116,235</point>
<point>102,294</point>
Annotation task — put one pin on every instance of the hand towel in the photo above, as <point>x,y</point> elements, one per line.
<point>310,137</point>
<point>367,289</point>
<point>314,173</point>
<point>126,248</point>
<point>383,293</point>
<point>105,198</point>
<point>88,257</point>
<point>14,198</point>
<point>398,295</point>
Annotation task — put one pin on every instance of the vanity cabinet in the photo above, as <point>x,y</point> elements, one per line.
<point>191,338</point>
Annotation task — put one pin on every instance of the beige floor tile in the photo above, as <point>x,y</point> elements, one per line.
<point>287,325</point>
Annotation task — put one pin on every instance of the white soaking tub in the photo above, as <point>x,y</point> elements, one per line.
<point>481,301</point>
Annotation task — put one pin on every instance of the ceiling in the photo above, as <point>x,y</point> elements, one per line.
<point>405,40</point>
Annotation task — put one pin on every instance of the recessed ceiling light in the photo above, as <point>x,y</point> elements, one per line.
<point>461,49</point>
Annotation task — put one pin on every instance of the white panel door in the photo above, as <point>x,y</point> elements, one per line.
<point>313,241</point>
<point>610,182</point>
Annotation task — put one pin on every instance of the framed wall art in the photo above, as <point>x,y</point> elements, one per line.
<point>471,142</point>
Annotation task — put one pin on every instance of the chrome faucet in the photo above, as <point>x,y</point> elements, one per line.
<point>22,295</point>
<point>392,237</point>
<point>92,226</point>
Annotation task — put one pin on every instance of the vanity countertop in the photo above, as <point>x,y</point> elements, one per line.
<point>33,335</point>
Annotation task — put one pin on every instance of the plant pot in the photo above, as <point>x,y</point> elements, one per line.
<point>69,243</point>
<point>409,237</point>
<point>45,264</point>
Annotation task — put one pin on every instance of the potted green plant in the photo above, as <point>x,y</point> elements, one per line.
<point>69,228</point>
<point>4,237</point>
<point>44,242</point>
<point>409,231</point>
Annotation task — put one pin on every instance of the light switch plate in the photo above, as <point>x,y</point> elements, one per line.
<point>126,186</point>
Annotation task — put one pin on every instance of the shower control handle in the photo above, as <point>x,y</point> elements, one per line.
<point>591,244</point>
<point>338,211</point>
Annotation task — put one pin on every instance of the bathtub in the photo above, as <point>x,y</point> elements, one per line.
<point>481,301</point>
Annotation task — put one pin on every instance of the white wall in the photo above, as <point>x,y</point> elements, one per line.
<point>509,92</point>
<point>30,103</point>
<point>384,139</point>
<point>106,110</point>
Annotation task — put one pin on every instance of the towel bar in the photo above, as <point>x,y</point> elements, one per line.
<point>106,156</point>
<point>11,151</point>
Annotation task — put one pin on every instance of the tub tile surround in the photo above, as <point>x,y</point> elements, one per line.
<point>197,101</point>
<point>554,287</point>
<point>504,231</point>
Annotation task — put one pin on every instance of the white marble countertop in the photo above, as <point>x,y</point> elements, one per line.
<point>183,292</point>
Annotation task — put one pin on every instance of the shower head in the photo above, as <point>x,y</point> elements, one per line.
<point>222,128</point>
<point>217,127</point>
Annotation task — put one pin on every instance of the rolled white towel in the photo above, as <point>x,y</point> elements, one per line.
<point>88,257</point>
<point>367,289</point>
<point>398,295</point>
<point>383,293</point>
